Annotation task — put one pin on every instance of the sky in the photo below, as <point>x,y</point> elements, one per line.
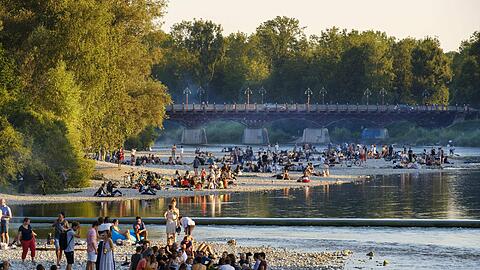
<point>451,21</point>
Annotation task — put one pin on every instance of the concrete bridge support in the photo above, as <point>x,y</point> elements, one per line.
<point>255,136</point>
<point>315,135</point>
<point>194,136</point>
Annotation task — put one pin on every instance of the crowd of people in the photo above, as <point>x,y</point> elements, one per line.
<point>104,235</point>
<point>221,172</point>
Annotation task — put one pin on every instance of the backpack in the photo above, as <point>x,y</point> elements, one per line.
<point>63,241</point>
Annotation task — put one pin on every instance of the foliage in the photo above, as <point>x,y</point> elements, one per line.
<point>466,68</point>
<point>12,152</point>
<point>281,58</point>
<point>144,140</point>
<point>77,79</point>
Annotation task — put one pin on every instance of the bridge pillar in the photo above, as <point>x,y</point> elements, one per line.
<point>255,136</point>
<point>315,135</point>
<point>194,136</point>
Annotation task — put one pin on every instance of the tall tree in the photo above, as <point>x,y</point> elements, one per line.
<point>431,72</point>
<point>83,65</point>
<point>205,42</point>
<point>466,68</point>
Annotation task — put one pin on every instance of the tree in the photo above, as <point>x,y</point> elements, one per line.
<point>431,72</point>
<point>280,38</point>
<point>243,64</point>
<point>367,62</point>
<point>402,66</point>
<point>466,69</point>
<point>205,42</point>
<point>84,76</point>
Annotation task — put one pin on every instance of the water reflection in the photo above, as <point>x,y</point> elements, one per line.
<point>437,195</point>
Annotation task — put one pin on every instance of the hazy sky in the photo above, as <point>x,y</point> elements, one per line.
<point>451,21</point>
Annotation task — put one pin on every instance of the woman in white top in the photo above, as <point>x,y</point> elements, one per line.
<point>172,221</point>
<point>105,258</point>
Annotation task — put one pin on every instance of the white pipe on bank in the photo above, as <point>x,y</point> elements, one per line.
<point>335,222</point>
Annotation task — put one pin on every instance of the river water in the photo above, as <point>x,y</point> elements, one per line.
<point>451,194</point>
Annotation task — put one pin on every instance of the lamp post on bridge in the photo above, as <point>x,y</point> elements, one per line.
<point>367,94</point>
<point>323,92</point>
<point>186,92</point>
<point>248,92</point>
<point>383,93</point>
<point>308,93</point>
<point>262,91</point>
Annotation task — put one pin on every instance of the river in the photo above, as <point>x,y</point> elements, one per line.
<point>450,194</point>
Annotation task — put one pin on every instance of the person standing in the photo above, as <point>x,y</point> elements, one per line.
<point>92,246</point>
<point>181,153</point>
<point>26,236</point>
<point>196,164</point>
<point>173,202</point>
<point>70,249</point>
<point>172,220</point>
<point>121,155</point>
<point>105,258</point>
<point>60,225</point>
<point>174,151</point>
<point>5,219</point>
<point>133,161</point>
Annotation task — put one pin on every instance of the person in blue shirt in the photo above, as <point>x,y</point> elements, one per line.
<point>5,219</point>
<point>69,251</point>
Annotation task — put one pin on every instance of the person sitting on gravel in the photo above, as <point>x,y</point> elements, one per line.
<point>225,265</point>
<point>101,191</point>
<point>197,264</point>
<point>147,190</point>
<point>135,258</point>
<point>204,249</point>
<point>140,229</point>
<point>110,191</point>
<point>187,245</point>
<point>170,248</point>
<point>122,235</point>
<point>263,262</point>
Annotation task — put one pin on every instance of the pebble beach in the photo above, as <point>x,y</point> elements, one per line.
<point>278,259</point>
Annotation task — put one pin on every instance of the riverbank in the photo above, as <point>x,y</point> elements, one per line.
<point>250,182</point>
<point>277,258</point>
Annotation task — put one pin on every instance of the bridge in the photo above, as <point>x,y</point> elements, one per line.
<point>320,117</point>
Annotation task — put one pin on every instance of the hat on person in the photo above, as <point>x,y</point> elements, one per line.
<point>103,227</point>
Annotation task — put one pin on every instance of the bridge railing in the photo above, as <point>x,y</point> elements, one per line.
<point>311,108</point>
